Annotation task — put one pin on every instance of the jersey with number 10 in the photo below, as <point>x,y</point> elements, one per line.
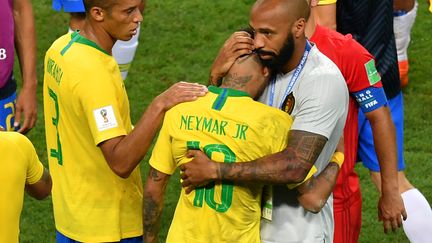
<point>229,127</point>
<point>85,103</point>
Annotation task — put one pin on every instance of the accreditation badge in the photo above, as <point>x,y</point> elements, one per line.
<point>267,198</point>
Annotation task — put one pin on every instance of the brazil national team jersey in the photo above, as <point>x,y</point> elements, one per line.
<point>85,103</point>
<point>19,165</point>
<point>231,128</point>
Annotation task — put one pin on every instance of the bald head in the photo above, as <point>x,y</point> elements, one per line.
<point>290,9</point>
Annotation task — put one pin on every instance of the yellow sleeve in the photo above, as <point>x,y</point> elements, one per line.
<point>99,100</point>
<point>162,156</point>
<point>326,2</point>
<point>312,171</point>
<point>35,168</point>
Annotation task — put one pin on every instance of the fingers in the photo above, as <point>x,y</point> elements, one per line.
<point>29,121</point>
<point>392,223</point>
<point>182,92</point>
<point>191,154</point>
<point>404,215</point>
<point>387,226</point>
<point>16,125</point>
<point>189,189</point>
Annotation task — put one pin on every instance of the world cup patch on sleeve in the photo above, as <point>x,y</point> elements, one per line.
<point>105,118</point>
<point>372,72</point>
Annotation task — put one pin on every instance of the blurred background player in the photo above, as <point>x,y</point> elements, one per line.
<point>17,33</point>
<point>358,68</point>
<point>20,171</point>
<point>371,24</point>
<point>123,51</point>
<point>404,15</point>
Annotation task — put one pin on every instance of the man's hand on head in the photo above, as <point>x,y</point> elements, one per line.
<point>198,172</point>
<point>238,44</point>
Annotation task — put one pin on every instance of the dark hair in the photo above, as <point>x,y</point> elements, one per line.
<point>104,4</point>
<point>249,31</point>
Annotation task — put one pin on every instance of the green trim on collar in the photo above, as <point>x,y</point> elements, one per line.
<point>76,37</point>
<point>230,92</point>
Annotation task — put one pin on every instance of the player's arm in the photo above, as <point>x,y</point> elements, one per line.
<point>313,193</point>
<point>390,205</point>
<point>124,153</point>
<point>288,166</point>
<point>25,44</point>
<point>42,188</point>
<point>372,102</point>
<point>239,43</point>
<point>154,190</point>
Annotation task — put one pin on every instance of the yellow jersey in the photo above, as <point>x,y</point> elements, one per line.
<point>229,127</point>
<point>20,165</point>
<point>85,103</point>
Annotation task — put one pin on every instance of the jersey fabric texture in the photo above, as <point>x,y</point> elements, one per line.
<point>230,127</point>
<point>320,103</point>
<point>352,60</point>
<point>68,6</point>
<point>85,103</point>
<point>20,166</point>
<point>371,23</point>
<point>6,41</point>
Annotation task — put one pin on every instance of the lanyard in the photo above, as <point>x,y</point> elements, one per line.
<point>294,77</point>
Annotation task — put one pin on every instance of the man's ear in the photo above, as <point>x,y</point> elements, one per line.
<point>266,72</point>
<point>97,13</point>
<point>299,27</point>
<point>314,3</point>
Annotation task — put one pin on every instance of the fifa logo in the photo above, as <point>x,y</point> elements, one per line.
<point>104,114</point>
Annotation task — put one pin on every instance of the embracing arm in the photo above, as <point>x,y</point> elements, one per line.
<point>313,194</point>
<point>154,190</point>
<point>25,43</point>
<point>390,208</point>
<point>124,153</point>
<point>288,166</point>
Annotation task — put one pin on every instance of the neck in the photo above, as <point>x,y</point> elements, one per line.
<point>297,55</point>
<point>310,26</point>
<point>245,88</point>
<point>98,35</point>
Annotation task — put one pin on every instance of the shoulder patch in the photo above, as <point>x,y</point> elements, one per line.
<point>105,118</point>
<point>372,72</point>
